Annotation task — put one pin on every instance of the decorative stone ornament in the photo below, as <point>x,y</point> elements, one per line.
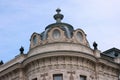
<point>56,35</point>
<point>58,17</point>
<point>79,37</point>
<point>35,40</point>
<point>1,62</point>
<point>21,50</point>
<point>95,45</point>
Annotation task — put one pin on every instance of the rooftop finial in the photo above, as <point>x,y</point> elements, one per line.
<point>95,45</point>
<point>58,17</point>
<point>21,50</point>
<point>1,62</point>
<point>58,10</point>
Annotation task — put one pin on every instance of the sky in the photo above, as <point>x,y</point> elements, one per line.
<point>100,19</point>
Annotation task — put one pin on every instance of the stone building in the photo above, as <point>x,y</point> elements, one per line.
<point>62,53</point>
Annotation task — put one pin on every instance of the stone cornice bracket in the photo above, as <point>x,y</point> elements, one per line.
<point>71,74</point>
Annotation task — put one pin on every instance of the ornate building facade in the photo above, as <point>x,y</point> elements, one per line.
<point>62,53</point>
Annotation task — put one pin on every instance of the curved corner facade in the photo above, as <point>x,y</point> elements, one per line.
<point>61,53</point>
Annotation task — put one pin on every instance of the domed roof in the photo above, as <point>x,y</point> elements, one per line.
<point>58,17</point>
<point>59,32</point>
<point>64,26</point>
<point>61,25</point>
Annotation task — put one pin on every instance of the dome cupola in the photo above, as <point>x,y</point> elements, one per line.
<point>64,26</point>
<point>59,32</point>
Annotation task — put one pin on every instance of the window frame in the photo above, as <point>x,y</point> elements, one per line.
<point>57,75</point>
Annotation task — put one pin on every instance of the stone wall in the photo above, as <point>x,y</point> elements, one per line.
<point>66,65</point>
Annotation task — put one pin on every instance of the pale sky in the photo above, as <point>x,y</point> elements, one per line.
<point>100,19</point>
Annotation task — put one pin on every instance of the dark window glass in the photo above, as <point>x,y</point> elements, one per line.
<point>34,79</point>
<point>82,77</point>
<point>57,77</point>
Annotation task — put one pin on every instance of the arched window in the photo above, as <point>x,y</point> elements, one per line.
<point>56,34</point>
<point>34,40</point>
<point>79,36</point>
